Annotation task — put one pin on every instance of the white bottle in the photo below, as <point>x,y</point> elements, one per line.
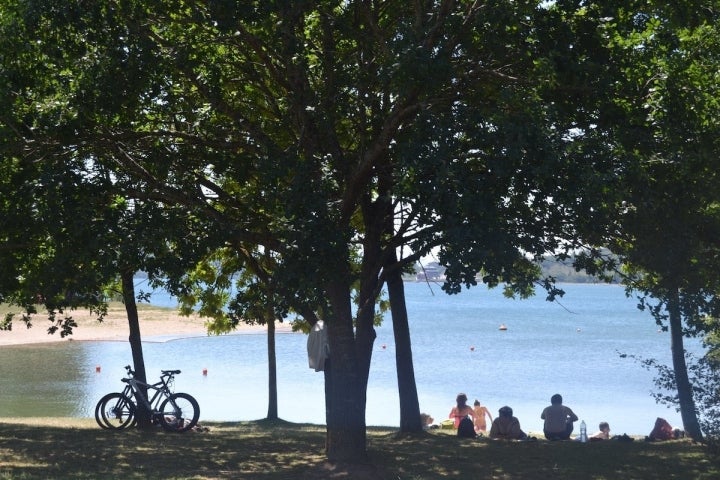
<point>583,432</point>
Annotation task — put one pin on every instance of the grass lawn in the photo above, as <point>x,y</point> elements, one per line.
<point>53,448</point>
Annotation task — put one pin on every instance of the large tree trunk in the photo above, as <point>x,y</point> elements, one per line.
<point>346,429</point>
<point>407,389</point>
<point>272,413</point>
<point>128,291</point>
<point>688,412</point>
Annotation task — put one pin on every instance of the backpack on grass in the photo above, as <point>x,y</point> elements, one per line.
<point>466,429</point>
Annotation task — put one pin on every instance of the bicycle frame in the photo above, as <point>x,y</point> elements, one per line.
<point>161,389</point>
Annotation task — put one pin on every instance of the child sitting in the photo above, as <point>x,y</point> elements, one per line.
<point>602,434</point>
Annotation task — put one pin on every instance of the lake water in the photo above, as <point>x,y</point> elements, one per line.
<point>548,348</point>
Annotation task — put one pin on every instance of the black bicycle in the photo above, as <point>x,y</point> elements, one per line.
<point>175,412</point>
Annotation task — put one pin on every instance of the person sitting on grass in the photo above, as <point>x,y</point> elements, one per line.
<point>558,419</point>
<point>602,434</point>
<point>663,431</point>
<point>506,427</point>
<point>427,421</point>
<point>461,410</point>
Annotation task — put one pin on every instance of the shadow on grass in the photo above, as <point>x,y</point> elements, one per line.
<point>448,457</point>
<point>248,450</point>
<point>265,450</point>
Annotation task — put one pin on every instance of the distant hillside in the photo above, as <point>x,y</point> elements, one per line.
<point>563,272</point>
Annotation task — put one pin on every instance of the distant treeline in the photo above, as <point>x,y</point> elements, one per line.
<point>563,272</point>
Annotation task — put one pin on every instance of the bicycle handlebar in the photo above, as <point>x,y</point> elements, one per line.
<point>164,372</point>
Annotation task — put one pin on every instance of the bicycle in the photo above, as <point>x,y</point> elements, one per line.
<point>175,412</point>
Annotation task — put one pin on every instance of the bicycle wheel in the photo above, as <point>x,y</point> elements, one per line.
<point>117,411</point>
<point>99,408</point>
<point>179,412</point>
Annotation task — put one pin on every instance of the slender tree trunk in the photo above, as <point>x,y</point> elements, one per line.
<point>688,412</point>
<point>272,413</point>
<point>346,429</point>
<point>128,292</point>
<point>374,220</point>
<point>407,388</point>
<point>328,393</point>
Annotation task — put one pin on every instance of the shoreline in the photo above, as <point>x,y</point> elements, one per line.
<point>90,423</point>
<point>157,324</point>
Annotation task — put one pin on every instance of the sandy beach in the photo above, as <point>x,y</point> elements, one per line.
<point>154,323</point>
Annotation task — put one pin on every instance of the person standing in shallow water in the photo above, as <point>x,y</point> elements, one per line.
<point>481,412</point>
<point>461,410</point>
<point>558,419</point>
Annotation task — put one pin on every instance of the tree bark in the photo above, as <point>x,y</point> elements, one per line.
<point>688,412</point>
<point>346,429</point>
<point>272,413</point>
<point>407,388</point>
<point>128,291</point>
